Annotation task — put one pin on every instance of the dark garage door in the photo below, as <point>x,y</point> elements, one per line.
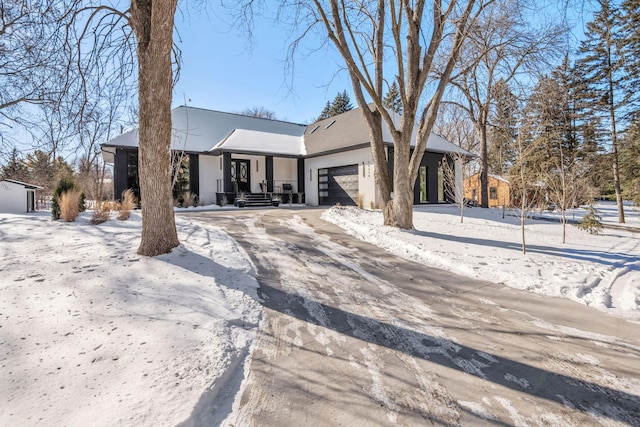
<point>338,185</point>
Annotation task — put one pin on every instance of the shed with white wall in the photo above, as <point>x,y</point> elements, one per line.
<point>17,197</point>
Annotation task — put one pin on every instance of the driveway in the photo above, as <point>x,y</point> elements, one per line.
<point>354,336</point>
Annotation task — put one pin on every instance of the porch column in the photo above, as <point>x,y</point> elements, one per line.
<point>269,172</point>
<point>301,176</point>
<point>226,172</point>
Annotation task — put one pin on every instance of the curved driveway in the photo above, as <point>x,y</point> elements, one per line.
<point>354,336</point>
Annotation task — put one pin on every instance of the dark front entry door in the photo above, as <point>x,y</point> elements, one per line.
<point>240,174</point>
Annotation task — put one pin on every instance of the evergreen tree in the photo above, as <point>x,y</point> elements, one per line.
<point>591,221</point>
<point>630,38</point>
<point>15,168</point>
<point>630,163</point>
<point>500,153</point>
<point>41,170</point>
<point>601,63</point>
<point>341,104</point>
<point>392,100</point>
<point>325,112</point>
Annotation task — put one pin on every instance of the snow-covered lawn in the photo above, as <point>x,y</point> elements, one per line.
<point>92,334</point>
<point>602,271</point>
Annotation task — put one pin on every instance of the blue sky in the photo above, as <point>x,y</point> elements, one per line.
<point>223,70</point>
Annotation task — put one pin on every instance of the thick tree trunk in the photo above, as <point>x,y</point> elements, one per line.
<point>399,212</point>
<point>153,27</point>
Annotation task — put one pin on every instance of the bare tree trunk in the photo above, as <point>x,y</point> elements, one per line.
<point>153,26</point>
<point>616,168</point>
<point>400,213</point>
<point>484,167</point>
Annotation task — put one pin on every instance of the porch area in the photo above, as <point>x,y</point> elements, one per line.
<point>250,180</point>
<point>243,199</point>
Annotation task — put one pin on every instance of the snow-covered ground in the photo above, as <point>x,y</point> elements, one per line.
<point>602,270</point>
<point>92,334</point>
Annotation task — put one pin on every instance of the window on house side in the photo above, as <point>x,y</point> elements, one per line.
<point>493,193</point>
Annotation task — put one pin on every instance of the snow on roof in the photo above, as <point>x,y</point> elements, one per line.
<point>498,177</point>
<point>243,140</point>
<point>206,131</point>
<point>24,184</point>
<point>200,130</point>
<point>438,144</point>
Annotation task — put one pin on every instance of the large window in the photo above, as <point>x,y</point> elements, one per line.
<point>133,180</point>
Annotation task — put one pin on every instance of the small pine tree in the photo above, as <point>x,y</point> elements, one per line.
<point>341,104</point>
<point>325,112</point>
<point>392,99</point>
<point>591,221</point>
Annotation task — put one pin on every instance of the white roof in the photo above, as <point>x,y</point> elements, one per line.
<point>23,184</point>
<point>498,177</point>
<point>198,130</point>
<point>262,142</point>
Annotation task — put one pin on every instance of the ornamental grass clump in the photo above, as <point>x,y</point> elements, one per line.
<point>69,203</point>
<point>64,185</point>
<point>101,213</point>
<point>128,203</point>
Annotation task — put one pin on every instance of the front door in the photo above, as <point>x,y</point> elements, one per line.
<point>240,174</point>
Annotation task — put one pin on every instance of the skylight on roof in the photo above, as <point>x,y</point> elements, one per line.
<point>329,125</point>
<point>314,129</point>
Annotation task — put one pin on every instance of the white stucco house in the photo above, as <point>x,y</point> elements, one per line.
<point>324,163</point>
<point>17,197</point>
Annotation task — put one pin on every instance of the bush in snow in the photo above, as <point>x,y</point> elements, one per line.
<point>101,213</point>
<point>591,221</point>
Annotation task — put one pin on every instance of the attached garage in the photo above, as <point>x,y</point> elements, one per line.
<point>338,185</point>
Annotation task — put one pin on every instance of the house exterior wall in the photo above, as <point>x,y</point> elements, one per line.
<point>13,198</point>
<point>361,157</point>
<point>210,178</point>
<point>285,171</point>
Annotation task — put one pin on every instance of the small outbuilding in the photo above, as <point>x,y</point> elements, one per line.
<point>499,190</point>
<point>17,197</point>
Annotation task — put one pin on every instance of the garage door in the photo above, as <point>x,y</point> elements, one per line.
<point>338,185</point>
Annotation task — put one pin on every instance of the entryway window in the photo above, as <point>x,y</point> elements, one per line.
<point>440,184</point>
<point>424,198</point>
